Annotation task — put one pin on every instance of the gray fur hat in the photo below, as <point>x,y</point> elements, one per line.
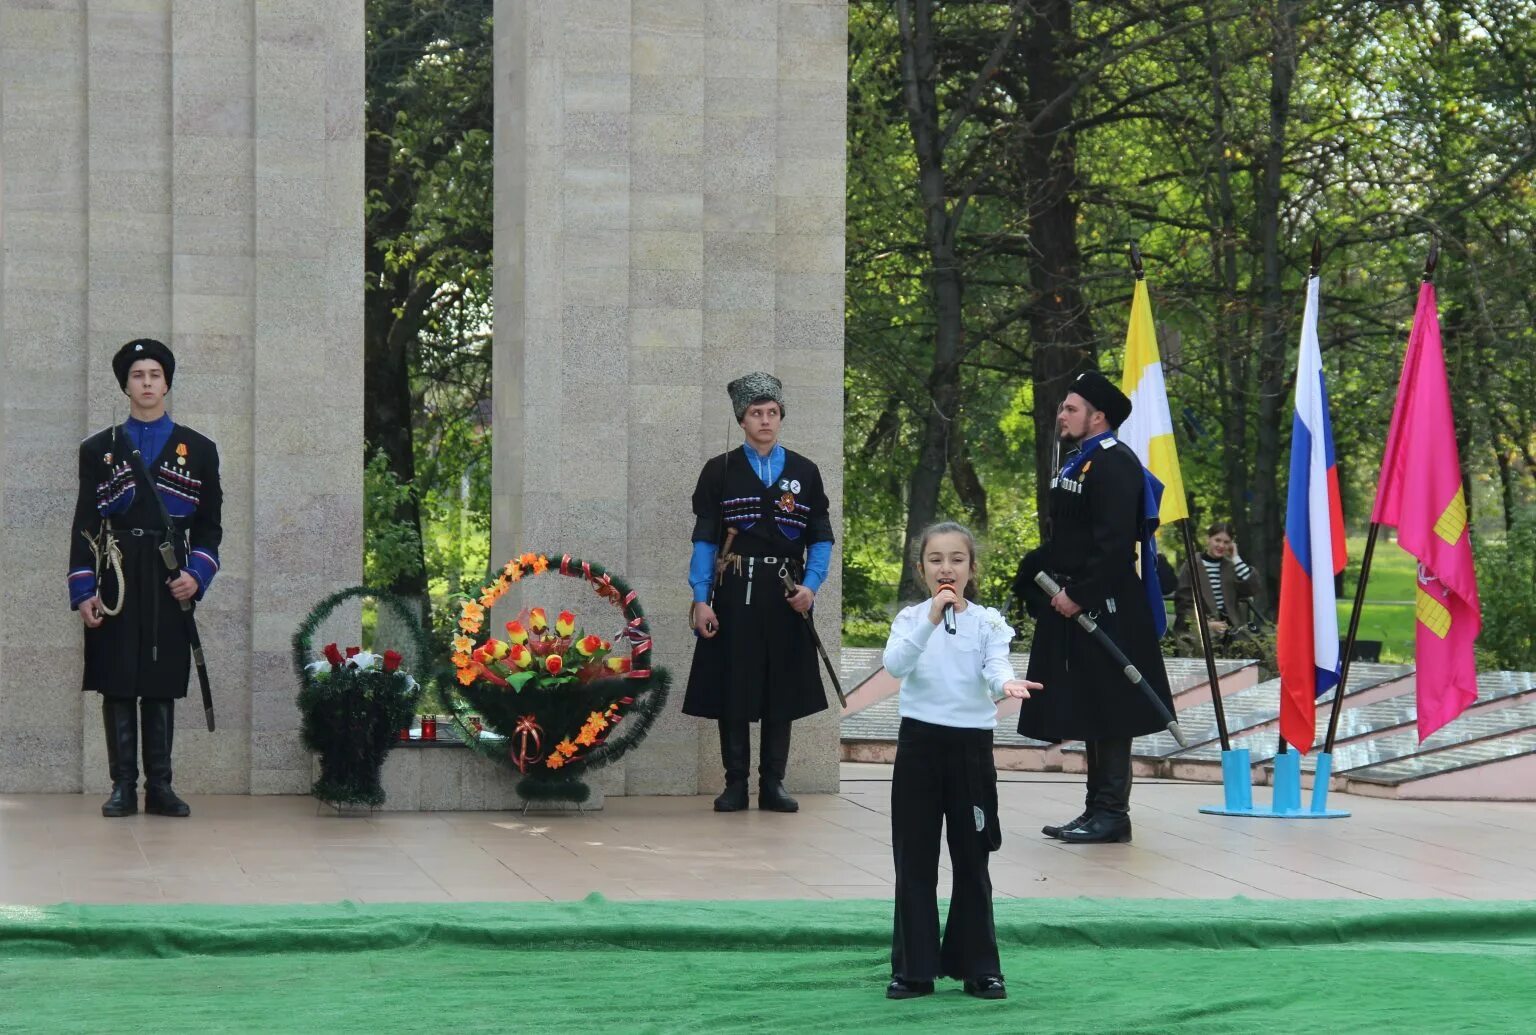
<point>755,388</point>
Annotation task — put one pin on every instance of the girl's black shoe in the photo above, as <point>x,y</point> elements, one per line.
<point>900,989</point>
<point>991,987</point>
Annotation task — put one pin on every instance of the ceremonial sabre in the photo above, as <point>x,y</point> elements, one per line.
<point>790,587</point>
<point>168,557</point>
<point>1132,673</point>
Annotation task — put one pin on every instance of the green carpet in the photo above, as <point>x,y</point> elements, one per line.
<point>1072,966</point>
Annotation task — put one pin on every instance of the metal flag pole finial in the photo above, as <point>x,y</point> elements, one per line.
<point>1432,260</point>
<point>1317,256</point>
<point>1136,267</point>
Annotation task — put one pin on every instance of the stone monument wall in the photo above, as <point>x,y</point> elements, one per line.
<point>669,215</point>
<point>191,172</point>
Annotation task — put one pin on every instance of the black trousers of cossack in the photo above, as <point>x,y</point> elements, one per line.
<point>943,775</point>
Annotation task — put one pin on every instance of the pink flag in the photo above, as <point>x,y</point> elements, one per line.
<point>1421,493</point>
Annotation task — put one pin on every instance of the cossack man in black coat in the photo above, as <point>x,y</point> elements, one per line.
<point>137,650</point>
<point>760,519</point>
<point>1100,518</point>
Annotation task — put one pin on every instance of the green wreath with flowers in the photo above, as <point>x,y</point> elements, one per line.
<point>549,698</point>
<point>354,703</point>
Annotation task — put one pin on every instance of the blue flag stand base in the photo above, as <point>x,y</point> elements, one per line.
<point>1237,788</point>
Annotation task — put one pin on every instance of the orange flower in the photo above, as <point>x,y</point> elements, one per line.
<point>555,760</point>
<point>536,620</point>
<point>463,644</point>
<point>520,656</point>
<point>566,748</point>
<point>619,665</point>
<point>526,560</point>
<point>462,661</point>
<point>511,566</point>
<point>516,575</point>
<point>466,676</point>
<point>596,721</point>
<point>488,599</point>
<point>587,737</point>
<point>540,565</point>
<point>469,625</point>
<point>473,610</point>
<point>553,664</point>
<point>516,633</point>
<point>565,624</point>
<point>589,645</point>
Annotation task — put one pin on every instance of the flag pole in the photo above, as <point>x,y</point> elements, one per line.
<point>1189,553</point>
<point>1430,263</point>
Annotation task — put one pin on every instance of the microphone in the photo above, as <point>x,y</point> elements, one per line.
<point>949,611</point>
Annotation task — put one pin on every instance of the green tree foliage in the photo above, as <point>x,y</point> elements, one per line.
<point>429,169</point>
<point>1506,575</point>
<point>1223,136</point>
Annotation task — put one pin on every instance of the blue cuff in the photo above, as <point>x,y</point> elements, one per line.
<point>701,570</point>
<point>82,587</point>
<point>818,559</point>
<point>203,566</point>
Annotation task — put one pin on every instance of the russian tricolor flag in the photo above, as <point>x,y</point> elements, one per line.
<point>1308,633</point>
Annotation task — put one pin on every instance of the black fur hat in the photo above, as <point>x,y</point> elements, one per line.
<point>143,348</point>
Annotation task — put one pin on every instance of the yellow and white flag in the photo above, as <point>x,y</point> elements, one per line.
<point>1149,430</point>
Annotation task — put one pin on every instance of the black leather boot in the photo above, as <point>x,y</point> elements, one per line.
<point>1111,819</point>
<point>772,761</point>
<point>736,755</point>
<point>1091,754</point>
<point>120,719</point>
<point>159,721</point>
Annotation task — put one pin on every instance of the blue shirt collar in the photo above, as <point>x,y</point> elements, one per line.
<point>1084,449</point>
<point>765,467</point>
<point>161,423</point>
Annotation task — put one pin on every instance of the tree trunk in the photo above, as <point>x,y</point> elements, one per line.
<point>1061,334</point>
<point>1232,343</point>
<point>919,74</point>
<point>1267,500</point>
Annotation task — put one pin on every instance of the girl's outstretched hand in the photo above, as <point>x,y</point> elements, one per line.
<point>1020,688</point>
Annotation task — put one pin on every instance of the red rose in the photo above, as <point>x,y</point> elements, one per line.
<point>553,664</point>
<point>353,652</point>
<point>332,654</point>
<point>392,660</point>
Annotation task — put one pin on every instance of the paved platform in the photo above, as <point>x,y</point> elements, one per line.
<point>56,848</point>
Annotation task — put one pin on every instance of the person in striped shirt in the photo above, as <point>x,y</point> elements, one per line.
<point>1226,582</point>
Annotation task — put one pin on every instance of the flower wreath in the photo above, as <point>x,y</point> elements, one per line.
<point>555,698</point>
<point>353,703</point>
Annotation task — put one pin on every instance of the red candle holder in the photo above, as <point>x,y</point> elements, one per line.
<point>429,727</point>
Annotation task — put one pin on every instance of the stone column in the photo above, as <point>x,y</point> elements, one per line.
<point>191,172</point>
<point>669,214</point>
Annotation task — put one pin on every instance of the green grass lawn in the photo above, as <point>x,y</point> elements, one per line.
<point>1387,614</point>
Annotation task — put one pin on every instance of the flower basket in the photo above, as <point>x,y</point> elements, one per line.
<point>353,704</point>
<point>556,701</point>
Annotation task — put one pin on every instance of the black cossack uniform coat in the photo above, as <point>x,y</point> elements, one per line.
<point>1095,525</point>
<point>144,651</point>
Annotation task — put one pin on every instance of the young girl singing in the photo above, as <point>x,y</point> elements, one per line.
<point>951,656</point>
